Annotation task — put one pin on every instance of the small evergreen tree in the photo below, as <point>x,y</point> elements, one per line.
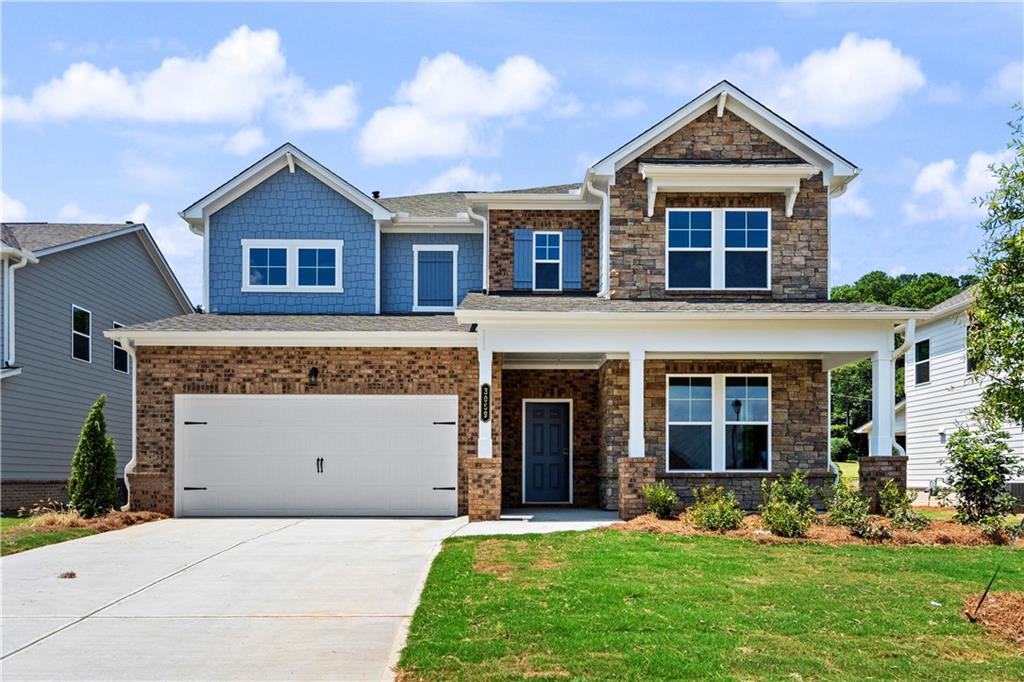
<point>92,488</point>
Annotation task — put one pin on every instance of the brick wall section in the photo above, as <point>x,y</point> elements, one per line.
<point>581,386</point>
<point>613,405</point>
<point>484,489</point>
<point>875,472</point>
<point>15,495</point>
<point>164,371</point>
<point>502,224</point>
<point>634,474</point>
<point>799,248</point>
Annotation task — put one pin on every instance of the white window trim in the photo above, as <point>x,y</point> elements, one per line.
<point>561,251</point>
<point>719,424</point>
<point>292,247</point>
<point>88,336</point>
<point>118,347</point>
<point>416,249</point>
<point>718,249</point>
<point>928,360</point>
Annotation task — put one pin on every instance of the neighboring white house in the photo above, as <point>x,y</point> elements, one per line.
<point>899,424</point>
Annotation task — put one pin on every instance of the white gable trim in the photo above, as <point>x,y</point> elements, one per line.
<point>285,156</point>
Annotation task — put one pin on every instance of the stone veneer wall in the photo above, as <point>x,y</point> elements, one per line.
<point>799,245</point>
<point>634,474</point>
<point>577,384</point>
<point>876,471</point>
<point>163,372</point>
<point>502,224</point>
<point>613,402</point>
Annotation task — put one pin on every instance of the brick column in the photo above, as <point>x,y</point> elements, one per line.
<point>876,471</point>
<point>634,474</point>
<point>484,489</point>
<point>151,492</point>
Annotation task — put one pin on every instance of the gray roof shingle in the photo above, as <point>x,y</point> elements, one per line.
<point>213,322</point>
<point>952,303</point>
<point>448,204</point>
<point>40,236</point>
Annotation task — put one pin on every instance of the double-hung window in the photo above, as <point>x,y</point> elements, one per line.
<point>121,359</point>
<point>718,423</point>
<point>301,266</point>
<point>81,334</point>
<point>922,362</point>
<point>718,249</point>
<point>547,261</point>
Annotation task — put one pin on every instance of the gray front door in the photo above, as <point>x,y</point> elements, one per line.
<point>546,459</point>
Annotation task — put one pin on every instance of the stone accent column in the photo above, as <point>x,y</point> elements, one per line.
<point>484,489</point>
<point>634,474</point>
<point>875,471</point>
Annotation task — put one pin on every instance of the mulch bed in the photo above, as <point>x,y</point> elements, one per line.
<point>1002,614</point>
<point>114,520</point>
<point>937,532</point>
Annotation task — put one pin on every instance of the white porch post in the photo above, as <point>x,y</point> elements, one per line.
<point>882,403</point>
<point>485,446</point>
<point>636,403</point>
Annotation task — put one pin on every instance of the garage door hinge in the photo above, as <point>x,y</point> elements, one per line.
<point>450,488</point>
<point>444,423</point>
<point>193,488</point>
<point>193,423</point>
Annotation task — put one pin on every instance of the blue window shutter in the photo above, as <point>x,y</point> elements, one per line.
<point>435,279</point>
<point>572,259</point>
<point>523,256</point>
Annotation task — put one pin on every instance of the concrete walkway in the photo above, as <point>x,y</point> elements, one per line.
<point>226,599</point>
<point>541,520</point>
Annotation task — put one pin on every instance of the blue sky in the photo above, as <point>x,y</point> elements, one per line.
<point>118,111</point>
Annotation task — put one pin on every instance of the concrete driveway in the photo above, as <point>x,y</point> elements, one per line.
<point>219,599</point>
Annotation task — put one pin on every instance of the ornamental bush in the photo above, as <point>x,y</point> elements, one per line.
<point>715,509</point>
<point>848,508</point>
<point>786,510</point>
<point>661,500</point>
<point>895,504</point>
<point>92,488</point>
<point>978,466</point>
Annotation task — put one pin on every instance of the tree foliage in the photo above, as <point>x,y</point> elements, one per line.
<point>92,488</point>
<point>996,339</point>
<point>978,466</point>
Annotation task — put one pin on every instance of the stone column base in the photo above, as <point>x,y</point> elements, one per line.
<point>151,492</point>
<point>484,489</point>
<point>634,474</point>
<point>876,471</point>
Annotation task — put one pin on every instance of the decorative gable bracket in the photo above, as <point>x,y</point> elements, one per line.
<point>781,178</point>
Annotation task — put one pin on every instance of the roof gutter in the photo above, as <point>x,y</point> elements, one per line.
<point>605,236</point>
<point>473,215</point>
<point>25,257</point>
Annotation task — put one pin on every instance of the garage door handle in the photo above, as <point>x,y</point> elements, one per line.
<point>444,423</point>
<point>194,423</point>
<point>193,488</point>
<point>450,488</point>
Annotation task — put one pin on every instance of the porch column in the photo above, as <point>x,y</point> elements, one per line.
<point>485,444</point>
<point>483,494</point>
<point>883,404</point>
<point>636,403</point>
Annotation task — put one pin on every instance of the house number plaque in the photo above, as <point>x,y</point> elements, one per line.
<point>485,402</point>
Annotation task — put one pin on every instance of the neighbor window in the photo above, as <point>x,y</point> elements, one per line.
<point>922,362</point>
<point>718,248</point>
<point>304,265</point>
<point>120,354</point>
<point>547,261</point>
<point>81,334</point>
<point>718,423</point>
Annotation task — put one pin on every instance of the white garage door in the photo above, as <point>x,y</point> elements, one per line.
<point>350,455</point>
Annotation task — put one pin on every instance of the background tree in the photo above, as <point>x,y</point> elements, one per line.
<point>92,488</point>
<point>996,338</point>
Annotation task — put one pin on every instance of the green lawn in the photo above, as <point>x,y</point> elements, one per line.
<point>16,537</point>
<point>850,471</point>
<point>611,605</point>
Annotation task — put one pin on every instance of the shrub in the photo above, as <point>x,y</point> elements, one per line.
<point>661,500</point>
<point>996,529</point>
<point>715,509</point>
<point>792,490</point>
<point>92,488</point>
<point>786,510</point>
<point>848,508</point>
<point>978,467</point>
<point>875,532</point>
<point>895,504</point>
<point>842,449</point>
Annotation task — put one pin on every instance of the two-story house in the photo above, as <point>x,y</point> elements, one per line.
<point>62,285</point>
<point>666,318</point>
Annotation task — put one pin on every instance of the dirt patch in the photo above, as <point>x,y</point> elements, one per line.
<point>506,559</point>
<point>1002,614</point>
<point>936,533</point>
<point>62,520</point>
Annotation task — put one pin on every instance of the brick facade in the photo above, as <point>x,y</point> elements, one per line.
<point>635,473</point>
<point>503,223</point>
<point>799,244</point>
<point>581,386</point>
<point>164,371</point>
<point>15,495</point>
<point>876,471</point>
<point>484,489</point>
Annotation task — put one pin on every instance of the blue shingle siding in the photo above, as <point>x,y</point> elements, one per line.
<point>292,206</point>
<point>396,257</point>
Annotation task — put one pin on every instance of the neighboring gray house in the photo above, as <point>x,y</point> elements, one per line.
<point>62,286</point>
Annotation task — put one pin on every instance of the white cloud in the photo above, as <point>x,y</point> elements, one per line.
<point>942,191</point>
<point>461,177</point>
<point>452,108</point>
<point>1007,85</point>
<point>12,210</point>
<point>851,203</point>
<point>245,140</point>
<point>857,82</point>
<point>242,76</point>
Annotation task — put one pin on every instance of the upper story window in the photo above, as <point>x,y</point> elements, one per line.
<point>435,277</point>
<point>922,362</point>
<point>81,334</point>
<point>120,360</point>
<point>305,265</point>
<point>718,249</point>
<point>547,261</point>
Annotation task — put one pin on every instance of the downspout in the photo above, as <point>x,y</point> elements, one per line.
<point>487,257</point>
<point>605,228</point>
<point>908,340</point>
<point>26,258</point>
<point>129,468</point>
